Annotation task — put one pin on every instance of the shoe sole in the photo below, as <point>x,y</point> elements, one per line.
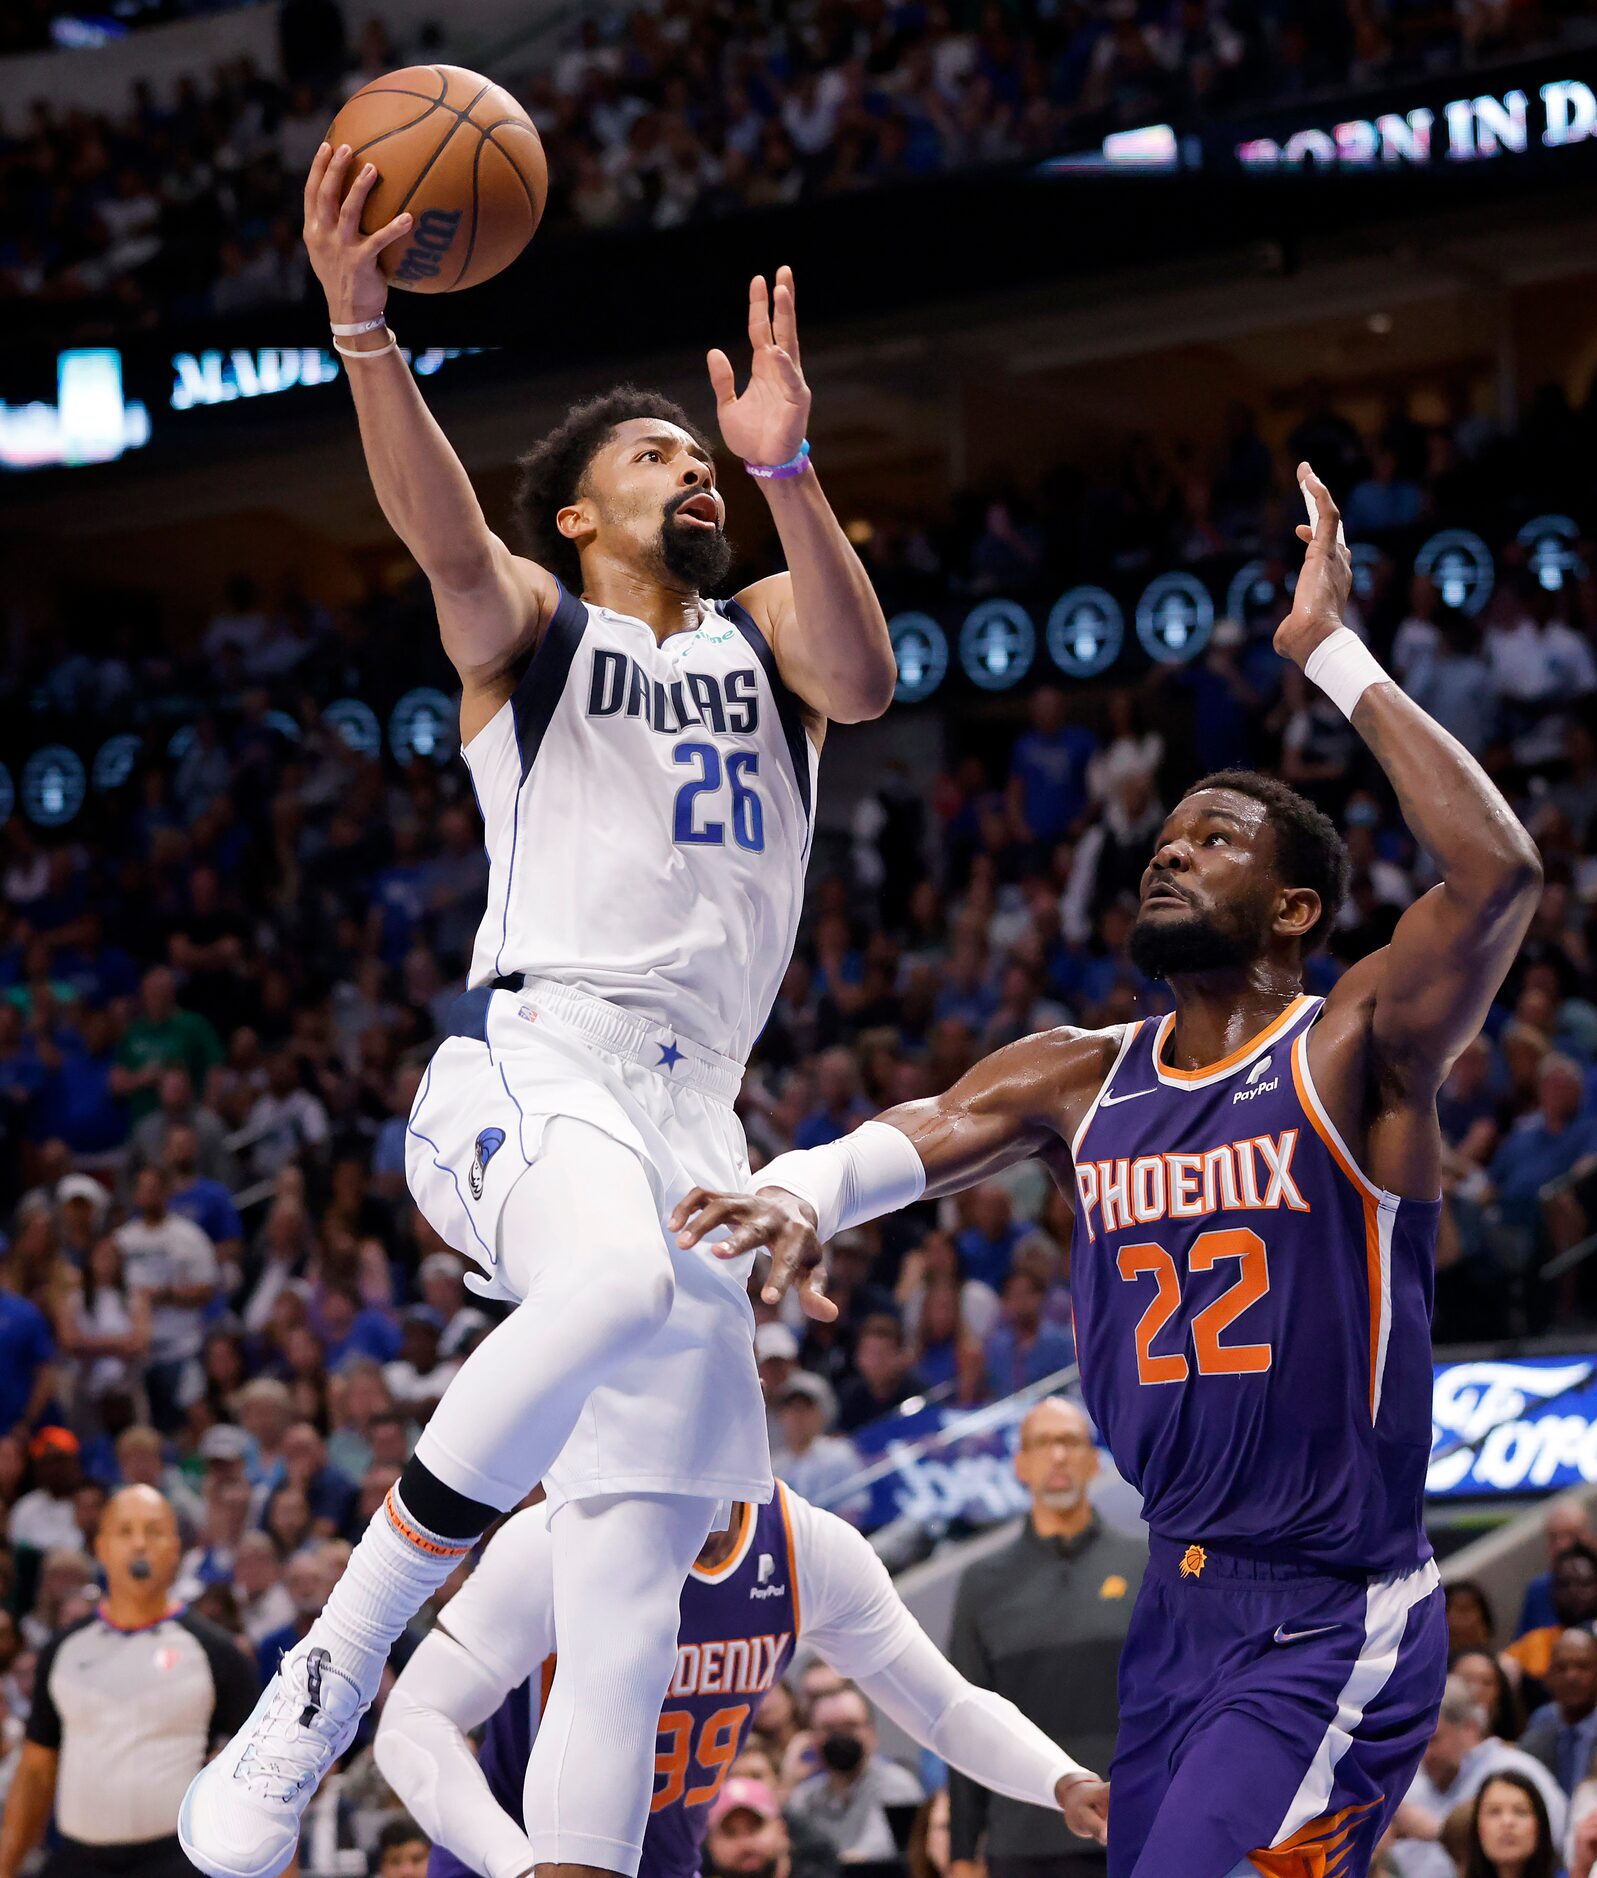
<point>211,1866</point>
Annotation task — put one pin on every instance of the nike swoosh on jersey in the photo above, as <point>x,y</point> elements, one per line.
<point>1283,1635</point>
<point>1108,1101</point>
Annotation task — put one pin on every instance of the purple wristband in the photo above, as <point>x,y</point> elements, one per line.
<point>780,472</point>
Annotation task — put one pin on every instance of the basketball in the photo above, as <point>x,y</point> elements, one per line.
<point>457,152</point>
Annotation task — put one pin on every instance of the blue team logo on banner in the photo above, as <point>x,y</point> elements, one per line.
<point>488,1144</point>
<point>357,724</point>
<point>424,724</point>
<point>1549,544</point>
<point>1458,564</point>
<point>53,786</point>
<point>1174,618</point>
<point>921,648</point>
<point>114,761</point>
<point>1086,630</point>
<point>997,644</point>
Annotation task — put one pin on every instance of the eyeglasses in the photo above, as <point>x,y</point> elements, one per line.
<point>1071,1443</point>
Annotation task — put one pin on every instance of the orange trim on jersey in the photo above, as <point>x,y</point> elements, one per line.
<point>420,1540</point>
<point>1237,1057</point>
<point>792,1556</point>
<point>1320,1849</point>
<point>1368,1199</point>
<point>709,1574</point>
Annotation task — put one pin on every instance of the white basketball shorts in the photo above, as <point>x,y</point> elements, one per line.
<point>685,1415</point>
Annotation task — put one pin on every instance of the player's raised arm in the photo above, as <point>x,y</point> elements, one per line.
<point>822,617</point>
<point>1024,1100</point>
<point>1430,988</point>
<point>491,603</point>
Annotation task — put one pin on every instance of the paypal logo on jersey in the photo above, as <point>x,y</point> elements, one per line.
<point>725,703</point>
<point>488,1144</point>
<point>1254,1086</point>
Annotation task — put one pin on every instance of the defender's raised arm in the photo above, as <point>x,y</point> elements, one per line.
<point>1428,991</point>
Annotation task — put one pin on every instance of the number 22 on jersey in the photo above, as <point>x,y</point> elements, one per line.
<point>1214,1358</point>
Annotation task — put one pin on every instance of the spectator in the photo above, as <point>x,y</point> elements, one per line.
<point>163,1036</point>
<point>813,1462</point>
<point>263,1600</point>
<point>402,1849</point>
<point>748,1836</point>
<point>846,1802</point>
<point>1042,1622</point>
<point>173,1263</point>
<point>987,1244</point>
<point>1574,1601</point>
<point>1470,1622</point>
<point>1048,770</point>
<point>882,1375</point>
<point>1023,1348</point>
<point>1563,1732</point>
<point>1461,1758</point>
<point>105,1325</point>
<point>1488,1682</point>
<point>1564,1524</point>
<point>1510,1835</point>
<point>197,1197</point>
<point>27,1359</point>
<point>46,1518</point>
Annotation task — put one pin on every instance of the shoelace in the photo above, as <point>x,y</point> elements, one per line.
<point>296,1737</point>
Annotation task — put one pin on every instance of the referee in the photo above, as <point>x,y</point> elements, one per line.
<point>126,1707</point>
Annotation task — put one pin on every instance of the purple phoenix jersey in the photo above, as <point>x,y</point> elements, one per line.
<point>739,1624</point>
<point>1253,1317</point>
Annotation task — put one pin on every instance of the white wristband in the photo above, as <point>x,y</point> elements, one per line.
<point>358,327</point>
<point>366,352</point>
<point>1344,668</point>
<point>873,1171</point>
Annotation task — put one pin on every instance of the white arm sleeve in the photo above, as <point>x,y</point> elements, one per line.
<point>861,1177</point>
<point>493,1634</point>
<point>850,1613</point>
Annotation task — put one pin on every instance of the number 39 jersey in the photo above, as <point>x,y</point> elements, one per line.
<point>648,810</point>
<point>1253,1314</point>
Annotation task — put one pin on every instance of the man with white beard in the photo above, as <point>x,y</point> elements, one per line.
<point>1042,1622</point>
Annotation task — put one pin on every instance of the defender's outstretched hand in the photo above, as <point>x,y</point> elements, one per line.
<point>766,423</point>
<point>1327,578</point>
<point>1084,1801</point>
<point>772,1218</point>
<point>345,260</point>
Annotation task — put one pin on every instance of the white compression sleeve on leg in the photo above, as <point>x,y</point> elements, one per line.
<point>421,1751</point>
<point>873,1171</point>
<point>982,1734</point>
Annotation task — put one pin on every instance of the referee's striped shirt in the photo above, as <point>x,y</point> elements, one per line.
<point>133,1715</point>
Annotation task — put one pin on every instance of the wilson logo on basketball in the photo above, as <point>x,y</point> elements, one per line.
<point>434,235</point>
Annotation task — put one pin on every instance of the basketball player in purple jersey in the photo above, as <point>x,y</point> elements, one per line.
<point>1255,1183</point>
<point>781,1575</point>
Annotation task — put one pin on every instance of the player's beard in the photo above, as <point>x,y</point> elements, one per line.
<point>1197,942</point>
<point>697,557</point>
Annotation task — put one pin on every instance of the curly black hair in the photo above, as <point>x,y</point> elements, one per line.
<point>552,471</point>
<point>1308,850</point>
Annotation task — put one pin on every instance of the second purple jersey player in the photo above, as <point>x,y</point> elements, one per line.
<point>1255,1182</point>
<point>783,1572</point>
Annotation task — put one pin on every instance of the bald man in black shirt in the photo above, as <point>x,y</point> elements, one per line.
<point>127,1706</point>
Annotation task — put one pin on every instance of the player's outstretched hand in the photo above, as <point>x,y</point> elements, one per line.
<point>767,423</point>
<point>1084,1801</point>
<point>345,260</point>
<point>1323,587</point>
<point>772,1218</point>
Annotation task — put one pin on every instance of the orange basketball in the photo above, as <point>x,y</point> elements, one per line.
<point>462,156</point>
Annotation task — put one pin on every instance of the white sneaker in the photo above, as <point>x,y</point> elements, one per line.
<point>240,1817</point>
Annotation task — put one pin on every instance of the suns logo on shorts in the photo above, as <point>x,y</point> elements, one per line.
<point>489,1142</point>
<point>1193,1561</point>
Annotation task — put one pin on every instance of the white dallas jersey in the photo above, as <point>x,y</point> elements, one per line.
<point>648,811</point>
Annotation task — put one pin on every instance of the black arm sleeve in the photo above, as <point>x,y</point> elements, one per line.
<point>967,1802</point>
<point>232,1675</point>
<point>44,1718</point>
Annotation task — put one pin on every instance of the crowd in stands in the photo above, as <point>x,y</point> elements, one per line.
<point>187,201</point>
<point>219,987</point>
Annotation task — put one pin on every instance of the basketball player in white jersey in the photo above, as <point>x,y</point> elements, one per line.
<point>645,765</point>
